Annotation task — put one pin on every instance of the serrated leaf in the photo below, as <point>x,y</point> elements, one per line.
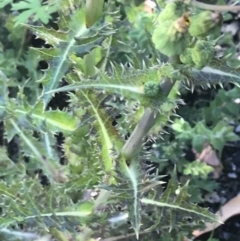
<point>129,83</point>
<point>35,8</point>
<point>217,73</point>
<point>66,45</point>
<point>174,205</point>
<point>49,211</point>
<point>52,120</point>
<point>107,138</point>
<point>135,210</point>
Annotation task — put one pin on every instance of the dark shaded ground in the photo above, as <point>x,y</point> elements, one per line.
<point>228,189</point>
<point>229,181</point>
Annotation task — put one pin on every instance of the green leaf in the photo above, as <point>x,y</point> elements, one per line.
<point>199,169</point>
<point>66,45</point>
<point>128,83</point>
<point>52,120</point>
<point>135,211</point>
<point>217,143</point>
<point>4,3</point>
<point>217,73</point>
<point>33,8</point>
<point>171,208</point>
<point>197,142</point>
<point>231,137</point>
<point>51,210</point>
<point>107,138</point>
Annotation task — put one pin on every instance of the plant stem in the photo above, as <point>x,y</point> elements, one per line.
<point>212,7</point>
<point>147,121</point>
<point>22,44</point>
<point>135,141</point>
<point>58,234</point>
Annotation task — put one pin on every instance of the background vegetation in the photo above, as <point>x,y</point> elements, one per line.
<point>103,133</point>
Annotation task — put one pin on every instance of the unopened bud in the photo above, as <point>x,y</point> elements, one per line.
<point>204,23</point>
<point>202,53</point>
<point>171,37</point>
<point>172,11</point>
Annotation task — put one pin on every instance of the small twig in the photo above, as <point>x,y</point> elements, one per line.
<point>219,8</point>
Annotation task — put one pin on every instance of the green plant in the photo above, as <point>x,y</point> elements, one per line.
<point>201,134</point>
<point>32,9</point>
<point>144,95</point>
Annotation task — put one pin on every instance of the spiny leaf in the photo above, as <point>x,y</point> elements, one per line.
<point>54,120</point>
<point>167,110</point>
<point>64,44</point>
<point>174,204</point>
<point>8,169</point>
<point>128,83</point>
<point>51,36</point>
<point>135,210</point>
<point>50,210</point>
<point>31,147</point>
<point>35,8</point>
<point>107,138</point>
<point>217,73</point>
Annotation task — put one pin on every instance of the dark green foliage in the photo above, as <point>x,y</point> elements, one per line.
<point>97,60</point>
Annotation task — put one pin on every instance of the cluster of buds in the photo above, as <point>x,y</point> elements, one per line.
<point>204,23</point>
<point>171,36</point>
<point>176,30</point>
<point>199,55</point>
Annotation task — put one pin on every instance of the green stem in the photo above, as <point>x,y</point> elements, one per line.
<point>219,8</point>
<point>22,44</point>
<point>57,234</point>
<point>135,141</point>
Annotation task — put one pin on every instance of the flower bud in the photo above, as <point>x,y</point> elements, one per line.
<point>151,88</point>
<point>186,57</point>
<point>202,53</point>
<point>204,23</point>
<point>171,37</point>
<point>172,11</point>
